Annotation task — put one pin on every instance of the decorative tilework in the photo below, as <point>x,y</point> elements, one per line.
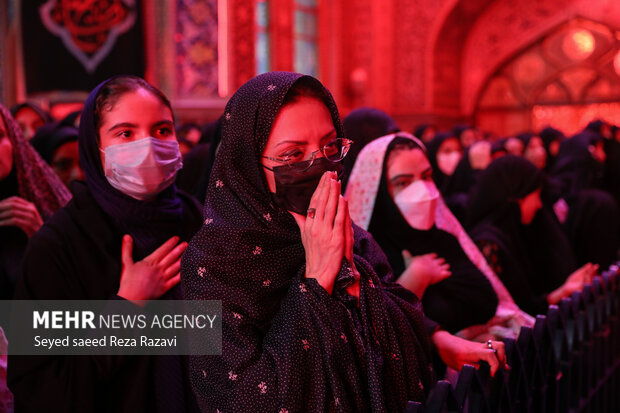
<point>196,48</point>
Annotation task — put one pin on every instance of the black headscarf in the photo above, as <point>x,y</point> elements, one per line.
<point>364,125</point>
<point>214,131</point>
<point>506,180</point>
<point>458,131</point>
<point>44,115</point>
<point>464,176</point>
<point>148,222</point>
<point>456,190</point>
<point>51,136</point>
<point>592,221</point>
<point>495,216</point>
<point>591,227</point>
<point>596,126</point>
<point>498,147</point>
<point>462,300</point>
<point>432,148</point>
<point>612,166</point>
<point>287,344</point>
<point>548,136</point>
<point>418,132</point>
<point>525,137</point>
<point>575,167</point>
<point>72,119</point>
<point>197,163</point>
<point>209,131</point>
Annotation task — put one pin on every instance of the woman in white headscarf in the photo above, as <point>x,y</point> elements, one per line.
<point>391,194</point>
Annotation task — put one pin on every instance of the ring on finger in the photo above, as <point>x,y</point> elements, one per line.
<point>490,346</point>
<point>311,212</point>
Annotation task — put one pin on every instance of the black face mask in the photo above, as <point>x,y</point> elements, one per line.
<point>295,186</point>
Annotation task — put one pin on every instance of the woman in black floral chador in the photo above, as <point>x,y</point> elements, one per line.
<point>307,323</point>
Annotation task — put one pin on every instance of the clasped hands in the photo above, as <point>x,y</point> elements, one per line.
<point>327,234</point>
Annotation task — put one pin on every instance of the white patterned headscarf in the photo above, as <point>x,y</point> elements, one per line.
<point>361,194</point>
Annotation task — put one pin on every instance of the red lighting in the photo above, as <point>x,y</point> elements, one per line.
<point>571,119</point>
<point>578,44</point>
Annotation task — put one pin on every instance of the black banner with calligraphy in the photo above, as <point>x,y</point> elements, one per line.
<point>76,44</point>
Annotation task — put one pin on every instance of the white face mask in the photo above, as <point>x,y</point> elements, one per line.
<point>447,162</point>
<point>418,203</point>
<point>142,168</point>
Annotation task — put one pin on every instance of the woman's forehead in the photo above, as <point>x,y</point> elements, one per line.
<point>407,160</point>
<point>304,119</point>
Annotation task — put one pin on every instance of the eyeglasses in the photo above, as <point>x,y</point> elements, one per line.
<point>334,151</point>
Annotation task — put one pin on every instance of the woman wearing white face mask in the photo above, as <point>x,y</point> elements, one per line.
<point>444,153</point>
<point>121,237</point>
<point>392,194</point>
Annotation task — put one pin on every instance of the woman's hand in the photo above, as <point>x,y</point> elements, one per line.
<point>17,212</point>
<point>151,277</point>
<point>455,352</point>
<point>323,232</point>
<point>574,282</point>
<point>353,289</point>
<point>422,271</point>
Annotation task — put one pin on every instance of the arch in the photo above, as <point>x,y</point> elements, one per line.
<point>434,36</point>
<point>505,28</point>
<point>446,50</point>
<point>569,66</point>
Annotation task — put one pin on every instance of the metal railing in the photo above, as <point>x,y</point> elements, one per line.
<point>569,361</point>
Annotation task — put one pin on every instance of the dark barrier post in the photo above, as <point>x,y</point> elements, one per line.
<point>568,362</point>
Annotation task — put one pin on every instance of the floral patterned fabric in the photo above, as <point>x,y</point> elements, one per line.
<point>36,180</point>
<point>289,346</point>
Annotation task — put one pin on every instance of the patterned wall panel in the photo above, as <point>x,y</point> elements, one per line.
<point>358,52</point>
<point>196,48</point>
<point>565,79</point>
<point>241,39</point>
<point>383,50</point>
<point>413,25</point>
<point>505,27</point>
<point>447,53</point>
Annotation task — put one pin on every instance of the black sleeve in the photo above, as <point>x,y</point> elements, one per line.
<point>515,282</point>
<point>192,216</point>
<point>55,383</point>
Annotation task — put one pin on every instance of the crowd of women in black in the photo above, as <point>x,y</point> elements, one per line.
<point>356,263</point>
